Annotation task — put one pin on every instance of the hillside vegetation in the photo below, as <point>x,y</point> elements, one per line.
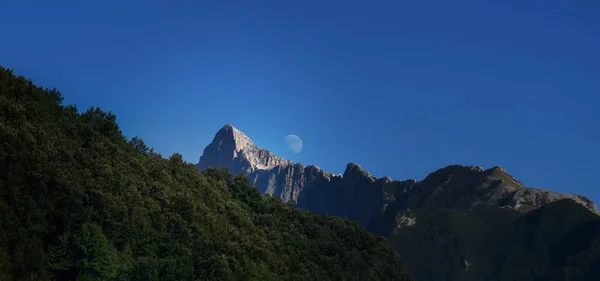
<point>78,201</point>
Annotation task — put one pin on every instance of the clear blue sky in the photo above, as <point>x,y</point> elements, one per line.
<point>400,87</point>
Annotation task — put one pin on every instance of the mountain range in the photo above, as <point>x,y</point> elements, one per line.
<point>458,223</point>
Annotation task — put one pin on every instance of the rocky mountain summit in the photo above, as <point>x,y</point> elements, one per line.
<point>234,150</point>
<point>458,223</point>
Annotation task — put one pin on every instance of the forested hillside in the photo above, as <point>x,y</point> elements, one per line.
<point>78,201</point>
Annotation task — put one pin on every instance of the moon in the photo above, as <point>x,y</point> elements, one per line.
<point>294,143</point>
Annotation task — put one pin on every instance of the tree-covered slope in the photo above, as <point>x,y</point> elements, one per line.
<point>80,202</point>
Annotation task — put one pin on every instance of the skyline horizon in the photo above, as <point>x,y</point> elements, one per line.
<point>378,177</point>
<point>336,170</point>
<point>402,88</point>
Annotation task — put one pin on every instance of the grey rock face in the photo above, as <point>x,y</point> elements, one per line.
<point>354,194</point>
<point>358,195</point>
<point>405,219</point>
<point>529,199</point>
<point>233,149</point>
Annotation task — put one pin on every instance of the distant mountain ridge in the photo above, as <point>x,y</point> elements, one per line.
<point>300,184</point>
<point>458,223</point>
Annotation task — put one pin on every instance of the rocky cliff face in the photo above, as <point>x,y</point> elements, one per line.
<point>358,195</point>
<point>355,194</point>
<point>232,149</point>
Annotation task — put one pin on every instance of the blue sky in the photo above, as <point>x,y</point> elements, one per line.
<point>399,87</point>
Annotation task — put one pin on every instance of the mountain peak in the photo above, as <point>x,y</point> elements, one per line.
<point>229,132</point>
<point>500,172</point>
<point>354,170</point>
<point>233,149</point>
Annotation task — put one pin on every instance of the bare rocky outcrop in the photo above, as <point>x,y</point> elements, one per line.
<point>405,219</point>
<point>529,199</point>
<point>232,149</point>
